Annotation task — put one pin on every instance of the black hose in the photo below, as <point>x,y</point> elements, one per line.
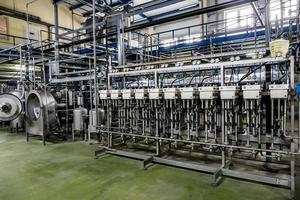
<point>249,73</point>
<point>196,74</point>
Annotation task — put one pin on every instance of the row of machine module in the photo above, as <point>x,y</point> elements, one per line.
<point>277,91</point>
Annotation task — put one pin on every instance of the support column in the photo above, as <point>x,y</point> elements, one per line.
<point>120,41</point>
<point>95,65</point>
<point>267,22</point>
<point>55,66</point>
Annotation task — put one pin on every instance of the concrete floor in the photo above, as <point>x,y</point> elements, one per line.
<point>68,171</point>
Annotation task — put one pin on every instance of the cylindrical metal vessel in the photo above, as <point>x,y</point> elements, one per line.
<point>40,112</point>
<point>38,100</point>
<point>101,117</point>
<point>10,107</point>
<point>18,123</point>
<point>80,101</point>
<point>79,115</point>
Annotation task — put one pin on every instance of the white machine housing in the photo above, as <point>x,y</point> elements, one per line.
<point>141,94</point>
<point>208,93</point>
<point>155,93</point>
<point>171,93</point>
<point>189,93</point>
<point>229,92</point>
<point>252,91</point>
<point>128,94</point>
<point>104,94</point>
<point>115,94</point>
<point>279,91</point>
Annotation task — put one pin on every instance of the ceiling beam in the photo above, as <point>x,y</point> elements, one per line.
<point>152,5</point>
<point>74,7</point>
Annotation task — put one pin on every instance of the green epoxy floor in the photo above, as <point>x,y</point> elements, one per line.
<point>68,171</point>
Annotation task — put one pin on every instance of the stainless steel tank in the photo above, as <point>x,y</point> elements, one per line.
<point>18,123</point>
<point>93,122</point>
<point>79,116</point>
<point>101,116</point>
<point>40,112</point>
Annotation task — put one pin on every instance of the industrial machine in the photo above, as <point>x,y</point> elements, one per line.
<point>231,111</point>
<point>80,115</point>
<point>40,114</point>
<point>11,107</point>
<point>214,100</point>
<point>18,124</point>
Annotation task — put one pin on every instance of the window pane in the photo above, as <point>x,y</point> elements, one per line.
<point>231,19</point>
<point>289,9</point>
<point>239,17</point>
<point>275,10</point>
<point>245,17</point>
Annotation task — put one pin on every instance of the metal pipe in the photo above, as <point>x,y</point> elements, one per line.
<point>205,120</point>
<point>272,123</point>
<point>205,143</point>
<point>248,122</point>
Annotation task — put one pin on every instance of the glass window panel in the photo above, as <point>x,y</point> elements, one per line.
<point>231,19</point>
<point>289,9</point>
<point>275,11</point>
<point>239,17</point>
